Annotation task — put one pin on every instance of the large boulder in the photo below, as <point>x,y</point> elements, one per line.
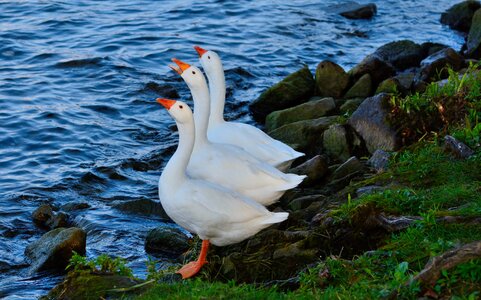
<point>434,66</point>
<point>305,111</point>
<point>402,54</point>
<point>304,135</point>
<point>335,142</point>
<point>166,240</point>
<point>354,10</point>
<point>292,90</point>
<point>55,248</point>
<point>390,86</point>
<point>369,121</point>
<point>474,37</point>
<point>350,105</point>
<point>331,79</point>
<point>361,89</point>
<point>374,66</point>
<point>459,16</point>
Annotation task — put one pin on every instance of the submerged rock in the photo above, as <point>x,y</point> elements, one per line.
<point>141,206</point>
<point>473,43</point>
<point>459,16</point>
<point>331,79</point>
<point>369,121</point>
<point>362,88</point>
<point>304,135</point>
<point>166,240</point>
<point>42,215</point>
<point>435,65</point>
<point>402,54</point>
<point>72,206</point>
<point>315,169</point>
<point>306,111</point>
<point>55,248</point>
<point>295,89</point>
<point>354,10</point>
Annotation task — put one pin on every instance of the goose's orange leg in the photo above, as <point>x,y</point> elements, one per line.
<point>194,267</point>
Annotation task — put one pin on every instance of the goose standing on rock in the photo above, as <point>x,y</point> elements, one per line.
<point>217,215</point>
<point>224,164</point>
<point>250,138</point>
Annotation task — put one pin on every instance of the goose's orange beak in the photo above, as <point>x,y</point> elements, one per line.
<point>167,103</point>
<point>181,66</point>
<point>200,51</point>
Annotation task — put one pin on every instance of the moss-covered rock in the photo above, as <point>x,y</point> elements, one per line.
<point>306,111</point>
<point>335,142</point>
<point>402,54</point>
<point>167,241</point>
<point>331,79</point>
<point>370,122</point>
<point>304,135</point>
<point>295,89</point>
<point>473,43</point>
<point>374,66</point>
<point>55,248</point>
<point>350,105</point>
<point>459,16</point>
<point>85,285</point>
<point>390,86</point>
<point>361,89</point>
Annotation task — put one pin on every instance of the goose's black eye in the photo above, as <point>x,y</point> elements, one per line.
<point>208,57</point>
<point>193,72</point>
<point>180,106</point>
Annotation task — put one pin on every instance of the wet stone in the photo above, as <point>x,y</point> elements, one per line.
<point>42,215</point>
<point>167,240</point>
<point>73,206</point>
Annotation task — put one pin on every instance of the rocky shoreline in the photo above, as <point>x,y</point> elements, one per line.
<point>349,129</point>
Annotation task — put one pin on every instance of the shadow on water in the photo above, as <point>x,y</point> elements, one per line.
<point>78,118</point>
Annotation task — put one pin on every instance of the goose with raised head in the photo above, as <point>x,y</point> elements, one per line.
<point>248,137</point>
<point>217,215</point>
<point>224,164</point>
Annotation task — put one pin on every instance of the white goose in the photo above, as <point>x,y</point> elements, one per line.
<point>217,215</point>
<point>251,139</point>
<point>228,165</point>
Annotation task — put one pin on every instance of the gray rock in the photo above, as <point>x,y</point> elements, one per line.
<point>42,215</point>
<point>402,54</point>
<point>72,206</point>
<point>379,160</point>
<point>362,88</point>
<point>331,79</point>
<point>351,166</point>
<point>305,201</point>
<point>430,48</point>
<point>315,169</point>
<point>369,121</point>
<point>473,43</point>
<point>305,135</point>
<point>166,240</point>
<point>350,105</point>
<point>370,189</point>
<point>374,66</point>
<point>457,148</point>
<point>435,65</point>
<point>354,10</point>
<point>459,16</point>
<point>405,81</point>
<point>293,90</point>
<point>306,111</point>
<point>55,248</point>
<point>141,206</point>
<point>335,142</point>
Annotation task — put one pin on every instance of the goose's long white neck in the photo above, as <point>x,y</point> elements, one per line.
<point>174,171</point>
<point>200,95</point>
<point>217,94</point>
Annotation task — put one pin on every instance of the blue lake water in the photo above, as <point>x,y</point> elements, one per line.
<point>78,80</point>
